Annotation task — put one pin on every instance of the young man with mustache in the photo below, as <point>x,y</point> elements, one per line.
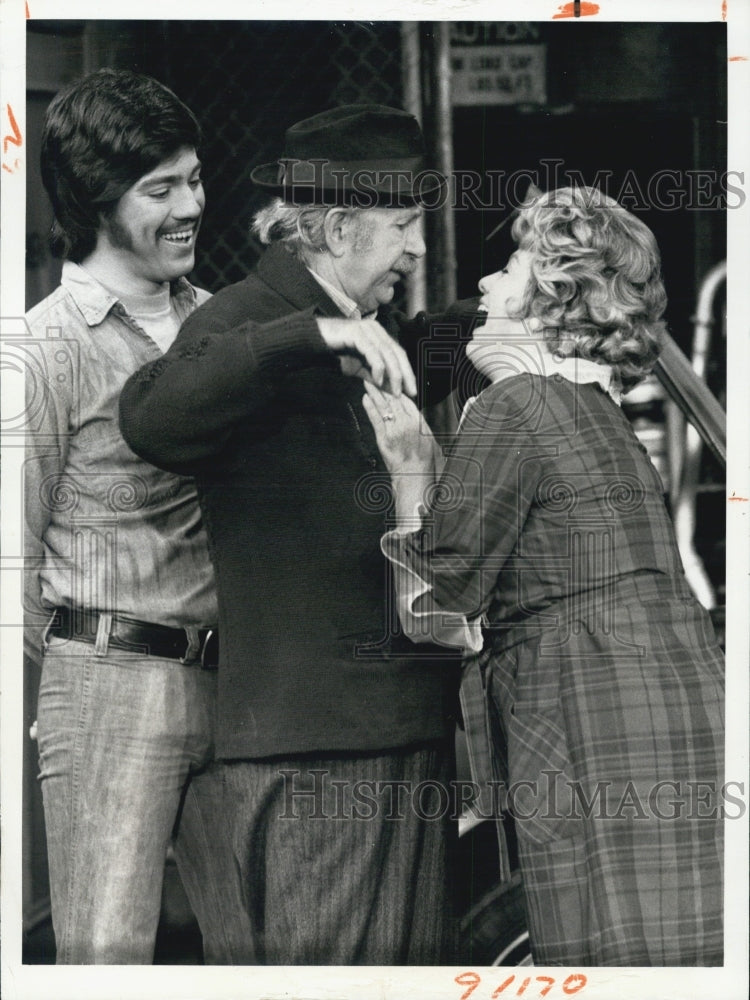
<point>121,601</point>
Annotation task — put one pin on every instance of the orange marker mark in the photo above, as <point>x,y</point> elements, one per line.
<point>27,11</point>
<point>574,983</point>
<point>584,10</point>
<point>470,979</point>
<point>736,499</point>
<point>723,10</point>
<point>502,986</point>
<point>738,59</point>
<point>16,138</point>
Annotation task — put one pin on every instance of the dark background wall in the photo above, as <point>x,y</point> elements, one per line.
<point>625,99</point>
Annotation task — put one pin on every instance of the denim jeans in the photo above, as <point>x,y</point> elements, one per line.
<point>119,735</point>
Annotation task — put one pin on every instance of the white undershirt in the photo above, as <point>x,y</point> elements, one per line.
<point>155,314</point>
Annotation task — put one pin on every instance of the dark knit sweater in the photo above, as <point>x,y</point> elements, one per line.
<point>295,497</point>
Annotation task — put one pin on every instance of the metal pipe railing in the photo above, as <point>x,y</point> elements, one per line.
<point>693,397</point>
<point>689,437</point>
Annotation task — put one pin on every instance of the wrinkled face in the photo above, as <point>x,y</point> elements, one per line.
<point>502,294</point>
<point>153,230</point>
<point>384,248</point>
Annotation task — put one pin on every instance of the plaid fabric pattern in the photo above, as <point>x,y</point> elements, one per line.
<point>602,680</point>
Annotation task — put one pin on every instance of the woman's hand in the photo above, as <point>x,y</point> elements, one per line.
<point>409,451</point>
<point>404,439</point>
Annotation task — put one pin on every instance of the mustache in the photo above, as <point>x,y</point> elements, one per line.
<point>406,264</point>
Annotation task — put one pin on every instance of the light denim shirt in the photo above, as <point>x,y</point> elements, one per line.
<point>104,530</point>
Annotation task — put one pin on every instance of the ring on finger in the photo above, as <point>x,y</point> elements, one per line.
<point>388,416</point>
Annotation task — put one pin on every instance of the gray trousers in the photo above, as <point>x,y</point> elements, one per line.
<point>337,860</point>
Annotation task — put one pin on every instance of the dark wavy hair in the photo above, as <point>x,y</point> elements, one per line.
<point>596,280</point>
<point>102,134</point>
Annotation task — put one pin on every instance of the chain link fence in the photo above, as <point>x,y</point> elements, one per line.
<point>247,82</point>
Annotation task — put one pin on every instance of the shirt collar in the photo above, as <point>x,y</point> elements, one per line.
<point>534,358</point>
<point>348,306</point>
<point>95,301</point>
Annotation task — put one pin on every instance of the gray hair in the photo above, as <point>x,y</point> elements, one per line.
<point>299,227</point>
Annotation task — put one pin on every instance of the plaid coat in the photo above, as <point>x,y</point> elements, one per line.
<point>600,673</point>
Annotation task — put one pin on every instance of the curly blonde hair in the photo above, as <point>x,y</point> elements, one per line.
<point>596,281</point>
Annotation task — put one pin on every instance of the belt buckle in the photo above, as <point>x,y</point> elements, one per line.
<point>206,641</point>
<point>193,645</point>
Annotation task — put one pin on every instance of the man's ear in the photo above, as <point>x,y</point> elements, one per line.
<point>339,228</point>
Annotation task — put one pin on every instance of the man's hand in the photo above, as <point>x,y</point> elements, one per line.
<point>368,351</point>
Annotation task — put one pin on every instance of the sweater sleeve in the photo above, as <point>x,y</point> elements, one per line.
<point>421,619</point>
<point>180,411</point>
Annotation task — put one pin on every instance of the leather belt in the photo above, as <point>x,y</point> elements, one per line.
<point>194,645</point>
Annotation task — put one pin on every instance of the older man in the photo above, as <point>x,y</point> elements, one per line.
<point>336,733</point>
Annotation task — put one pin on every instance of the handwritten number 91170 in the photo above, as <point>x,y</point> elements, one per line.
<point>573,984</point>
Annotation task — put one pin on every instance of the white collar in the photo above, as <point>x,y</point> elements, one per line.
<point>533,357</point>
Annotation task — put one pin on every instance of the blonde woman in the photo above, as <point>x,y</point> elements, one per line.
<point>544,548</point>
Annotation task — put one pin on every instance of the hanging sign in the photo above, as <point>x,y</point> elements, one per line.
<point>498,74</point>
